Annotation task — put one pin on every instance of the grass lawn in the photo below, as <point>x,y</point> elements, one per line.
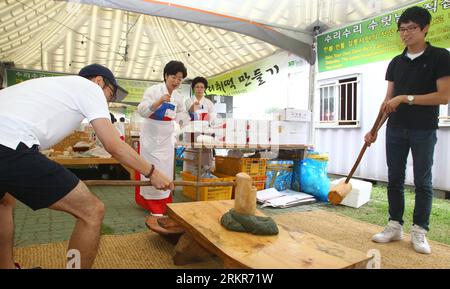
<point>376,212</point>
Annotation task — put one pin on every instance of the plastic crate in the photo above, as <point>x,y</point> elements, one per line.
<point>232,166</point>
<point>207,193</point>
<point>258,181</point>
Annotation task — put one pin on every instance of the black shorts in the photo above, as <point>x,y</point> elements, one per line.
<point>32,178</point>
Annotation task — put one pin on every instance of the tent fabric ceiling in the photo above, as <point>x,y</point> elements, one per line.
<point>63,36</point>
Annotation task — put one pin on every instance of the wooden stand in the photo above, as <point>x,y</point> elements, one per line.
<point>189,251</point>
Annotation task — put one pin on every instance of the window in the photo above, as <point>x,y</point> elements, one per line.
<point>339,101</point>
<point>444,115</point>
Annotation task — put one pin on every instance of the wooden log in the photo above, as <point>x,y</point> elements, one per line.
<point>245,196</point>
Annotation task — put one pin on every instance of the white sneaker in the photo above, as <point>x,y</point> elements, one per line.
<point>392,232</point>
<point>419,241</point>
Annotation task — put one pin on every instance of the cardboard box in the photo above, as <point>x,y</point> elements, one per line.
<point>240,137</point>
<point>192,166</point>
<point>286,132</point>
<point>264,139</point>
<point>291,114</point>
<point>240,125</point>
<point>230,124</point>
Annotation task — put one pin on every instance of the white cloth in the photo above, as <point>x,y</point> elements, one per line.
<point>157,137</point>
<point>43,111</point>
<point>157,147</point>
<point>207,104</point>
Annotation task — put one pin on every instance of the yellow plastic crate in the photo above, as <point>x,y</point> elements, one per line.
<point>258,181</point>
<point>232,166</point>
<point>207,193</point>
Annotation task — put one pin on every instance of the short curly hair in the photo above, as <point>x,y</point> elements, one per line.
<point>199,79</point>
<point>173,67</point>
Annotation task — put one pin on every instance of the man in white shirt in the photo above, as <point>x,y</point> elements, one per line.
<point>39,113</point>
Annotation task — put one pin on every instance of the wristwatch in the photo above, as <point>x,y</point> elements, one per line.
<point>410,99</point>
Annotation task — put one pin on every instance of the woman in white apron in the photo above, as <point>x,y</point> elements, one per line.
<point>159,107</point>
<point>200,102</point>
<point>201,108</point>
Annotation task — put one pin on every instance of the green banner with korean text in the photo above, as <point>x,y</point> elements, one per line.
<point>377,39</point>
<point>241,81</point>
<point>135,88</point>
<point>253,76</point>
<point>14,76</point>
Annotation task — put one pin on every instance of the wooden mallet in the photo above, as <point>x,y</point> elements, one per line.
<point>338,192</point>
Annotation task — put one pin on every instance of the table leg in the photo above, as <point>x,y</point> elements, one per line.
<point>199,167</point>
<point>188,251</point>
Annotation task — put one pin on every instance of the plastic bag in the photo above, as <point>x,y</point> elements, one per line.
<point>313,176</point>
<point>283,179</point>
<point>200,114</point>
<point>166,112</point>
<point>179,153</point>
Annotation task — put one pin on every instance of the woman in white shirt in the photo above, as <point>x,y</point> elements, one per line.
<point>199,101</point>
<point>159,107</point>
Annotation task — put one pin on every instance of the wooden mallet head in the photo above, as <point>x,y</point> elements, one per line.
<point>338,192</point>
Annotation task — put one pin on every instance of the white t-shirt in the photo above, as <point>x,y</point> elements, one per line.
<point>413,56</point>
<point>208,105</point>
<point>43,111</point>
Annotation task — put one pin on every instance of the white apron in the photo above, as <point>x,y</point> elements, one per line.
<point>157,147</point>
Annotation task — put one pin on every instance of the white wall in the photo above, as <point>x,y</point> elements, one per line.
<point>344,144</point>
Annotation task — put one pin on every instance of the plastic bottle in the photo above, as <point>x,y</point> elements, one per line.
<point>120,126</point>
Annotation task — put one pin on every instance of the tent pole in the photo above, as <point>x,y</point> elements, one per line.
<point>312,82</point>
<point>42,57</point>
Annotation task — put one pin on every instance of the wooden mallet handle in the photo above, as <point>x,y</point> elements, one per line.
<point>125,183</point>
<point>381,118</point>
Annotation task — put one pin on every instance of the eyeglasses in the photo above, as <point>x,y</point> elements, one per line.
<point>111,87</point>
<point>407,29</point>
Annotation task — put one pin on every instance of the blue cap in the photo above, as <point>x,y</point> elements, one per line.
<point>97,69</point>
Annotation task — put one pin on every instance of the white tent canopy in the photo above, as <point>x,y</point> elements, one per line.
<point>135,38</point>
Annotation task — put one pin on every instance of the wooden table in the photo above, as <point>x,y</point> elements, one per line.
<point>289,249</point>
<point>73,161</point>
<point>296,153</point>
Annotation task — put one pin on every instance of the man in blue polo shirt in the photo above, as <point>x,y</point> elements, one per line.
<point>418,82</point>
